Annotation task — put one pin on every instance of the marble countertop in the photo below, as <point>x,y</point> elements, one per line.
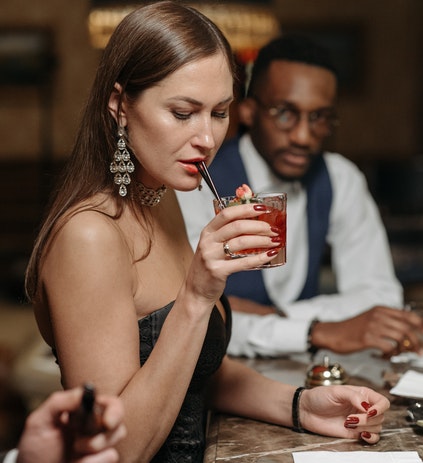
<point>235,439</point>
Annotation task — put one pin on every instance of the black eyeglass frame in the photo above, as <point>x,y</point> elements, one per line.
<point>322,122</point>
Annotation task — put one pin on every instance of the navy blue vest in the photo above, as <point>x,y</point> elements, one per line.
<point>228,173</point>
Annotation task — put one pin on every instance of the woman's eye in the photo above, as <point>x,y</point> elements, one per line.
<point>181,116</point>
<point>220,114</point>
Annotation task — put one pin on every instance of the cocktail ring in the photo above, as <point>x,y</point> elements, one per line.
<point>227,251</point>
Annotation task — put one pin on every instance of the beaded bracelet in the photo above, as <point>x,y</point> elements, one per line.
<point>296,424</point>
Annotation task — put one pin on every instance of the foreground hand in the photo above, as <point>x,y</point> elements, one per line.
<point>43,435</point>
<point>389,330</point>
<point>343,411</point>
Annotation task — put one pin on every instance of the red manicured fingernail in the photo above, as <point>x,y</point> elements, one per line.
<point>276,239</point>
<point>260,207</point>
<point>366,435</point>
<point>365,405</point>
<point>351,422</point>
<point>275,230</point>
<point>273,252</point>
<point>372,413</point>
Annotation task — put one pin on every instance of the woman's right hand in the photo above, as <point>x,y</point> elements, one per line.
<point>232,226</point>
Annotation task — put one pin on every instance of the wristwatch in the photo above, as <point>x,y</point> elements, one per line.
<point>311,348</point>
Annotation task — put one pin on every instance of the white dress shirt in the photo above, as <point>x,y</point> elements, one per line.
<point>11,456</point>
<point>360,253</point>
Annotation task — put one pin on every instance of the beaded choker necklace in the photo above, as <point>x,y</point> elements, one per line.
<point>148,196</point>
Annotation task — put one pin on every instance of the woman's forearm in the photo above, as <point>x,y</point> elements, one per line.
<point>239,390</point>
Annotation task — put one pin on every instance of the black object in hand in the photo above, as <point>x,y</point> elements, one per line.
<point>87,418</point>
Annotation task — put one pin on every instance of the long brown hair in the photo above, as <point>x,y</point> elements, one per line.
<point>148,45</point>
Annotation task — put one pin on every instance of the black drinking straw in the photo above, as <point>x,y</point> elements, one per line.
<point>202,168</point>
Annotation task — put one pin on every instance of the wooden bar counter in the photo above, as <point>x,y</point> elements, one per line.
<point>234,439</point>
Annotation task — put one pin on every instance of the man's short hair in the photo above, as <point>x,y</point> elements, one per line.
<point>292,47</point>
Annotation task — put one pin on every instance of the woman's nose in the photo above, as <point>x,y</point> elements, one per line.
<point>205,136</point>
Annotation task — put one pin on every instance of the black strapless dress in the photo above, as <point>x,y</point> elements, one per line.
<point>186,441</point>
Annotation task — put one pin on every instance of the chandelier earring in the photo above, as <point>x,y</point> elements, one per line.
<point>122,165</point>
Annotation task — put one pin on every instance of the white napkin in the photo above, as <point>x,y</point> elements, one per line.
<point>411,358</point>
<point>354,457</point>
<point>409,385</point>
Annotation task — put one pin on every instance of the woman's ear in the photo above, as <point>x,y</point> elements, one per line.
<point>246,110</point>
<point>116,105</point>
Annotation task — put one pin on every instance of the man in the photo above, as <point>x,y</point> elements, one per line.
<point>289,111</point>
<point>43,439</point>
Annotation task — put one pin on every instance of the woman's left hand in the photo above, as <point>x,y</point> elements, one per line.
<point>343,411</point>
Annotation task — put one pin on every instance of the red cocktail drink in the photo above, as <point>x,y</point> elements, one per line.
<point>275,216</point>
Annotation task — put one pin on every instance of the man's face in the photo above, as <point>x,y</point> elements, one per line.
<point>290,114</point>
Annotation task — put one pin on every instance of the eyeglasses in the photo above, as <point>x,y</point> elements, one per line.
<point>286,117</point>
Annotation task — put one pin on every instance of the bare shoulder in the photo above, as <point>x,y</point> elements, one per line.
<point>94,222</point>
<point>85,239</point>
<point>91,227</point>
<point>87,251</point>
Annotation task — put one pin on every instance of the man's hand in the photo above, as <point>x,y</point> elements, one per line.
<point>389,330</point>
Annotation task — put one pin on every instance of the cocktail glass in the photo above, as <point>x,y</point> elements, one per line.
<point>275,217</point>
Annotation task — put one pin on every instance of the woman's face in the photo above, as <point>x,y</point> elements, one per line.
<point>181,120</point>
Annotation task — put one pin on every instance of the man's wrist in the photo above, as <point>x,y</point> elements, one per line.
<point>311,348</point>
<point>280,311</point>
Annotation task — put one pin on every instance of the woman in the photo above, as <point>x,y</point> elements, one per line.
<point>118,293</point>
